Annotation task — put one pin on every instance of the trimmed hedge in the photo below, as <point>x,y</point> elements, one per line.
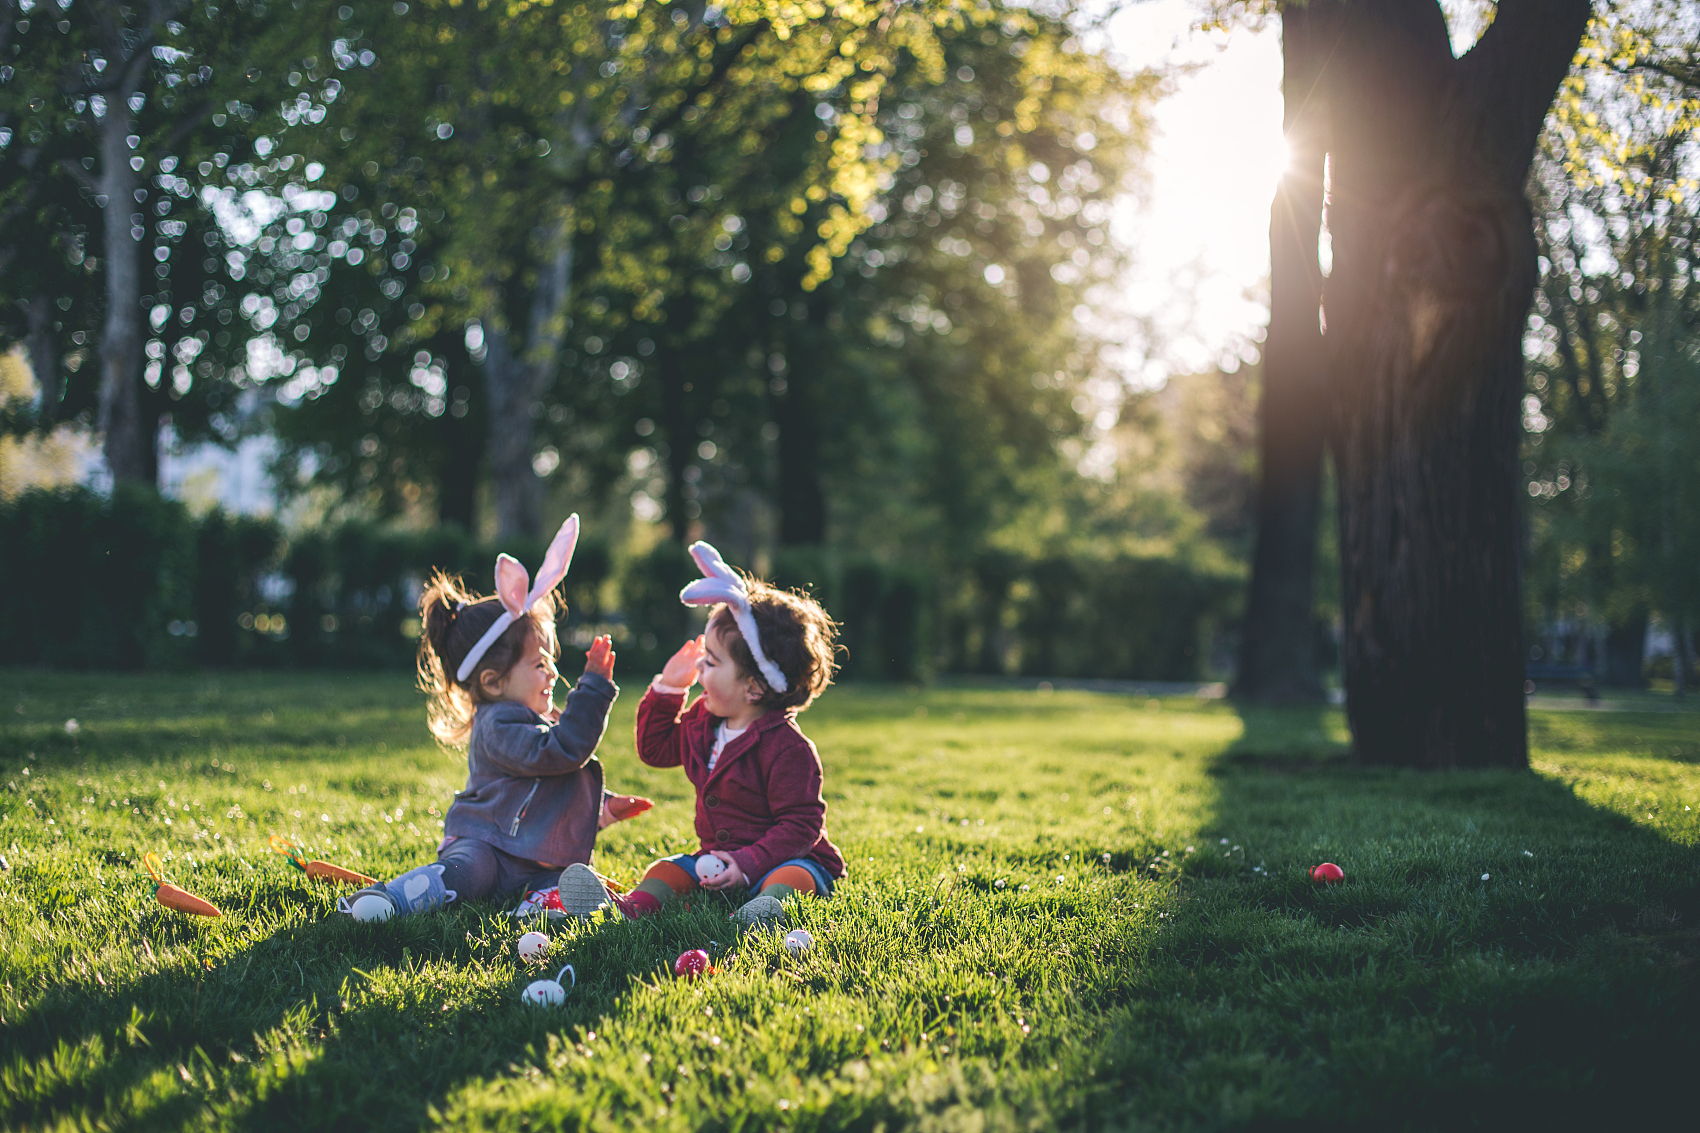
<point>132,580</point>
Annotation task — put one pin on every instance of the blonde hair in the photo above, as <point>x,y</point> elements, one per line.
<point>454,618</point>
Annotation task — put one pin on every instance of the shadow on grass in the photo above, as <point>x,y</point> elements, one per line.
<point>1500,954</point>
<point>329,1025</point>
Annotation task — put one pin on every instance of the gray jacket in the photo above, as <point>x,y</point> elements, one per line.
<point>532,789</point>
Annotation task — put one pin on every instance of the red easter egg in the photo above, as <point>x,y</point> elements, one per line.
<point>692,963</point>
<point>1328,874</point>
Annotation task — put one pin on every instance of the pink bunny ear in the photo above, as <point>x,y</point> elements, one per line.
<point>555,563</point>
<point>511,584</point>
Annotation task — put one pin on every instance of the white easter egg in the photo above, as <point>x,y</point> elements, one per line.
<point>799,940</point>
<point>709,867</point>
<point>533,946</point>
<point>544,993</point>
<point>372,907</point>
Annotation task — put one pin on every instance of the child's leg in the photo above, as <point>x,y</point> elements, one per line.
<point>471,868</point>
<point>662,881</point>
<point>799,875</point>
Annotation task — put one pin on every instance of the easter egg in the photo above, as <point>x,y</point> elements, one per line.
<point>691,963</point>
<point>709,867</point>
<point>550,993</point>
<point>799,940</point>
<point>1328,874</point>
<point>372,907</point>
<point>533,946</point>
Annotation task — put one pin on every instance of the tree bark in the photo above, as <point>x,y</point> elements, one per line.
<point>515,381</point>
<point>1434,268</point>
<point>1278,642</point>
<point>130,439</point>
<point>797,412</point>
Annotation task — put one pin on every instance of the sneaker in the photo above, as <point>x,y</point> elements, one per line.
<point>581,891</point>
<point>761,912</point>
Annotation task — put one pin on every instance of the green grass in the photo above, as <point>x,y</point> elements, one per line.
<point>1064,910</point>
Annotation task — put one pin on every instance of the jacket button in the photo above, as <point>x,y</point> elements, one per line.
<point>712,800</point>
<point>721,835</point>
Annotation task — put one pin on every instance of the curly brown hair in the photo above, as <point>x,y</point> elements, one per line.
<point>796,634</point>
<point>454,619</point>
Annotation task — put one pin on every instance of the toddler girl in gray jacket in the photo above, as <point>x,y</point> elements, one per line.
<point>533,799</point>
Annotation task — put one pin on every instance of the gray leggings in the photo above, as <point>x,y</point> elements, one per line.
<point>475,870</point>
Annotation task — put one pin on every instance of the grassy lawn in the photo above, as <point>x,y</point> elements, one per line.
<point>1064,910</point>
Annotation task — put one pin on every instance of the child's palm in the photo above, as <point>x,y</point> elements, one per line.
<point>600,657</point>
<point>681,668</point>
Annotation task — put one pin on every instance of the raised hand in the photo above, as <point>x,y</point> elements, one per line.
<point>600,657</point>
<point>681,668</point>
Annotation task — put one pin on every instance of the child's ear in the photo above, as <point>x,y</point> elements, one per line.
<point>491,683</point>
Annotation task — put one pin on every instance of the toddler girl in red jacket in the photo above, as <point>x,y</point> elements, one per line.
<point>766,655</point>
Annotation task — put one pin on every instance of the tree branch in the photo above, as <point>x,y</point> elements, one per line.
<point>1512,74</point>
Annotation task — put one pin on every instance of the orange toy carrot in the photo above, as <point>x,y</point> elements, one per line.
<point>319,871</point>
<point>172,896</point>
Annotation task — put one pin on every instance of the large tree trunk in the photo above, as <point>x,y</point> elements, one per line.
<point>1278,642</point>
<point>797,411</point>
<point>131,439</point>
<point>515,380</point>
<point>1433,270</point>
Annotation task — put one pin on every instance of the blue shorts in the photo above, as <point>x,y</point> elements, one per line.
<point>823,879</point>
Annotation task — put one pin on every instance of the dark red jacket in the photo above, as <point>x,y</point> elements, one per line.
<point>762,804</point>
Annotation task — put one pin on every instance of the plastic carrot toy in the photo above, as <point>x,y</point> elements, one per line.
<point>319,871</point>
<point>173,897</point>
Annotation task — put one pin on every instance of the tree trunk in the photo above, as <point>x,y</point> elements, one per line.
<point>131,439</point>
<point>1278,644</point>
<point>797,411</point>
<point>1434,268</point>
<point>43,350</point>
<point>1626,652</point>
<point>515,380</point>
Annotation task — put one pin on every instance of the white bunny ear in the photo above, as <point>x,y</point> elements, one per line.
<point>720,583</point>
<point>555,563</point>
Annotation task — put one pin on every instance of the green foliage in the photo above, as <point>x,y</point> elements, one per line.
<point>1613,370</point>
<point>1194,979</point>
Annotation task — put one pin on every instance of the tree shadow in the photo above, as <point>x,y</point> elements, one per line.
<point>1501,951</point>
<point>330,1024</point>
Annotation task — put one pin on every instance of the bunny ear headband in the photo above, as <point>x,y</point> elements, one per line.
<point>511,588</point>
<point>720,583</point>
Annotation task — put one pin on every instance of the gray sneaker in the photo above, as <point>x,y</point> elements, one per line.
<point>582,892</point>
<point>761,912</point>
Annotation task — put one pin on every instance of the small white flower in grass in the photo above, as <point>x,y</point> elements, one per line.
<point>72,727</point>
<point>918,829</point>
<point>1224,841</point>
<point>1025,888</point>
<point>1485,876</point>
<point>1528,854</point>
<point>1106,859</point>
<point>999,883</point>
<point>324,818</point>
<point>1061,879</point>
<point>1236,849</point>
<point>1189,849</point>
